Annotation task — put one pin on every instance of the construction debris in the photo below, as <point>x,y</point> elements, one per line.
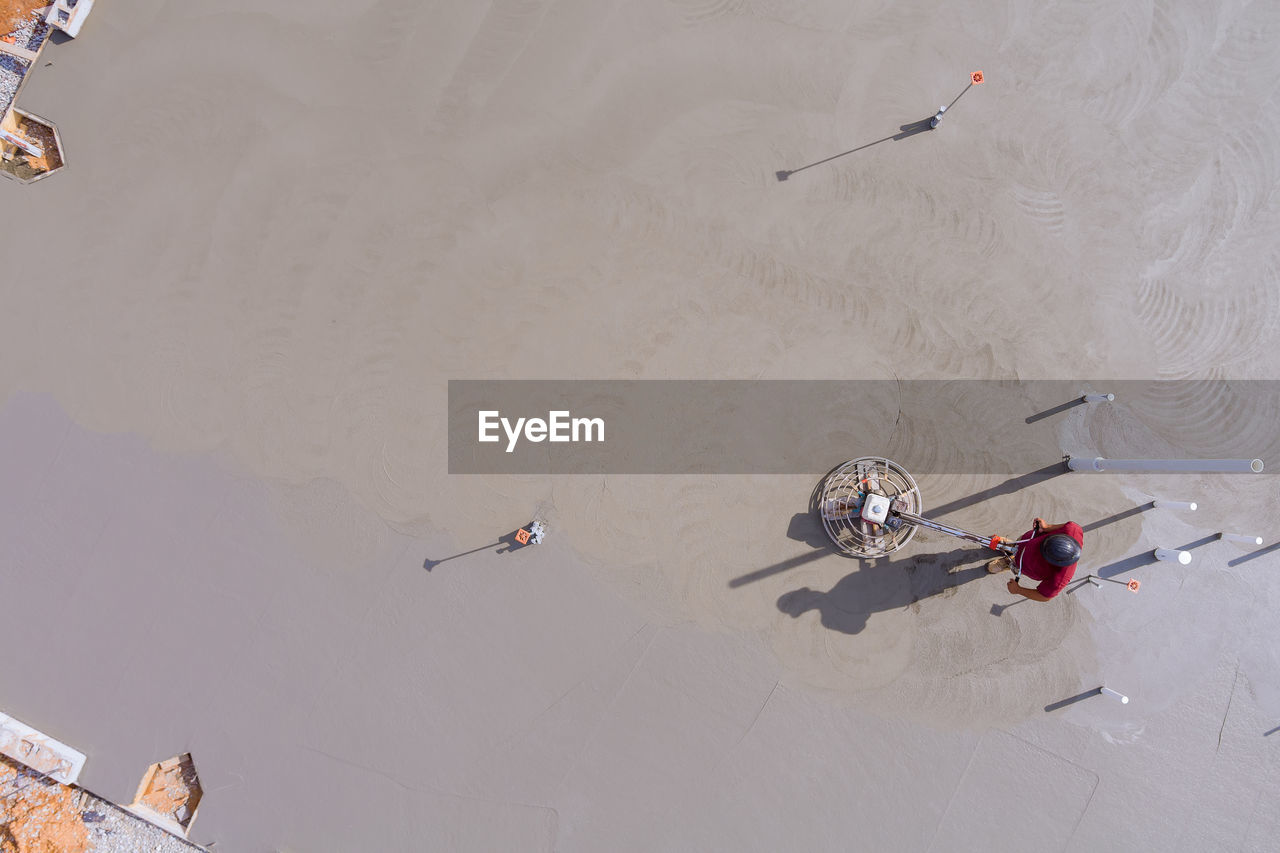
<point>169,794</point>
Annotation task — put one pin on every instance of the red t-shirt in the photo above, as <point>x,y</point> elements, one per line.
<point>1052,578</point>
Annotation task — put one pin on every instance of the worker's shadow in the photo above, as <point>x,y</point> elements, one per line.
<point>887,584</point>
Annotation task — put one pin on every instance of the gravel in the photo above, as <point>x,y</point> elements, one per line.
<point>12,70</point>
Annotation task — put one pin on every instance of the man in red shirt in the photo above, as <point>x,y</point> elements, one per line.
<point>1050,556</point>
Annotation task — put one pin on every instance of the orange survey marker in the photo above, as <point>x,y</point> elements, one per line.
<point>975,77</point>
<point>522,536</point>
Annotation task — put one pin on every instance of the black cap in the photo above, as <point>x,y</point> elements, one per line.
<point>1060,550</point>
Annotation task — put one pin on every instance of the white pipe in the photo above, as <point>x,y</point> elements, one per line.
<point>1206,466</point>
<point>1243,540</point>
<point>1099,398</point>
<point>1120,697</point>
<point>1163,504</point>
<point>1171,555</point>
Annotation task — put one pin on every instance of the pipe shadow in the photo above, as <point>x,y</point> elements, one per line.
<point>904,131</point>
<point>1008,487</point>
<point>1056,410</point>
<point>1148,558</point>
<point>1273,731</point>
<point>1128,564</point>
<point>1204,540</point>
<point>885,584</point>
<point>1071,700</point>
<point>1119,516</point>
<point>1254,555</point>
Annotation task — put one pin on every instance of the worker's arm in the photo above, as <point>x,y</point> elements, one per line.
<point>1033,594</point>
<point>1042,527</point>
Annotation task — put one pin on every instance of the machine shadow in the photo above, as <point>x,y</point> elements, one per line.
<point>886,584</point>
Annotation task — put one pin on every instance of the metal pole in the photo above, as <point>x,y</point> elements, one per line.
<point>1203,466</point>
<point>958,97</point>
<point>1172,555</point>
<point>1187,505</point>
<point>1099,398</point>
<point>921,521</point>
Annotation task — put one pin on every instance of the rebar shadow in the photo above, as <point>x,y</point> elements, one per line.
<point>904,131</point>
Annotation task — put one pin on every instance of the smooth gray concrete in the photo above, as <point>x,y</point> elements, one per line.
<point>159,604</point>
<point>229,323</point>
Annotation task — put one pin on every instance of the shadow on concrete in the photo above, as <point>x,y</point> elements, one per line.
<point>1273,731</point>
<point>1119,516</point>
<point>999,609</point>
<point>1254,555</point>
<point>804,527</point>
<point>1056,410</point>
<point>1008,487</point>
<point>779,568</point>
<point>1202,541</point>
<point>1147,558</point>
<point>1071,700</point>
<point>807,527</point>
<point>1128,564</point>
<point>904,131</point>
<point>879,585</point>
<point>1077,583</point>
<point>908,130</point>
<point>504,545</point>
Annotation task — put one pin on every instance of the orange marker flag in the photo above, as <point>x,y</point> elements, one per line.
<point>975,77</point>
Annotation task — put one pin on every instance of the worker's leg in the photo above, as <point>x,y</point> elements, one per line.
<point>999,564</point>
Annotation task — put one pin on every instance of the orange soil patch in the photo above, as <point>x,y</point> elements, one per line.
<point>38,815</point>
<point>169,794</point>
<point>172,789</point>
<point>14,13</point>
